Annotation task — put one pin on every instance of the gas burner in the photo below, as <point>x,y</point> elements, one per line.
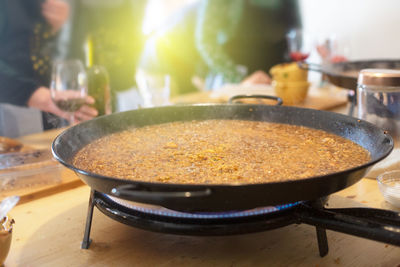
<point>374,224</point>
<point>160,219</point>
<point>161,211</point>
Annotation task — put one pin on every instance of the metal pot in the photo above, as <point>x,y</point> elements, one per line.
<point>345,74</point>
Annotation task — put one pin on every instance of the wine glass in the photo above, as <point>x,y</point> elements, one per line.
<point>331,50</point>
<point>154,88</point>
<point>69,86</point>
<point>299,44</point>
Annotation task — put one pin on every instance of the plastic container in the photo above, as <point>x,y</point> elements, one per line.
<point>16,179</point>
<point>389,185</point>
<point>378,98</point>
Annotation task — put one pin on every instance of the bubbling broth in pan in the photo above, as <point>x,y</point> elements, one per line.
<point>219,152</point>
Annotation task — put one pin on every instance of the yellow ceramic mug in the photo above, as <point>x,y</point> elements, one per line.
<point>291,92</point>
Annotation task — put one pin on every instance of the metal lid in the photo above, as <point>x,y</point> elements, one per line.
<point>380,77</point>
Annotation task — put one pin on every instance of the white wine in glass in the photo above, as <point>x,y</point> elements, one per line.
<point>69,86</point>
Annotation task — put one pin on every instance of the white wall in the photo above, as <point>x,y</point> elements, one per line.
<point>371,28</point>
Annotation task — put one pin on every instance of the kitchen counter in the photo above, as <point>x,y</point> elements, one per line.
<point>48,232</point>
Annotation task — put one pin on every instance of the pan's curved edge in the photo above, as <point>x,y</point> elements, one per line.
<point>228,197</point>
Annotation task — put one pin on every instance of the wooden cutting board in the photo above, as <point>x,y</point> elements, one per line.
<point>317,98</point>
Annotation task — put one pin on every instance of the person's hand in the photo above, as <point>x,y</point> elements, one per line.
<point>56,13</point>
<point>41,99</point>
<point>338,58</point>
<point>257,77</point>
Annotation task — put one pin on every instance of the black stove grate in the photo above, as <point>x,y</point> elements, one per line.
<point>374,224</point>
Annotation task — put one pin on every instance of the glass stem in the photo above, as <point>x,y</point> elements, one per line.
<point>71,118</point>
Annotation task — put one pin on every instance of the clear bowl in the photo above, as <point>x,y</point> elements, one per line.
<point>30,176</point>
<point>389,184</point>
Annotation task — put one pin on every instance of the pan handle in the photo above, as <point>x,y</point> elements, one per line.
<point>236,97</point>
<point>375,224</point>
<point>310,66</point>
<point>135,192</point>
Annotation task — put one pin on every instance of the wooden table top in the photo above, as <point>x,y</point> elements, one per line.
<point>49,228</point>
<point>48,232</point>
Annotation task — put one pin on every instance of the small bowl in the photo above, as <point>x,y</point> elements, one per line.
<point>291,92</point>
<point>6,226</point>
<point>389,184</point>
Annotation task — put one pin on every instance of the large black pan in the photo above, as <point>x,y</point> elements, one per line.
<point>203,197</point>
<point>345,74</point>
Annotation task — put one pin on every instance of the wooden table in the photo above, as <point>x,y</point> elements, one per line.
<point>48,232</point>
<point>49,228</point>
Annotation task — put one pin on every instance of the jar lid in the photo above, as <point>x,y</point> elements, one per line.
<point>380,77</point>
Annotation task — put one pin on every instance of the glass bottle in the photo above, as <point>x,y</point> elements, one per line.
<point>99,88</point>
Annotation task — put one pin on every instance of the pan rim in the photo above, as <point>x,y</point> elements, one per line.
<point>242,185</point>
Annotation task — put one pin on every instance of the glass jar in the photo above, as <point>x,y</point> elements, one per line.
<point>378,98</point>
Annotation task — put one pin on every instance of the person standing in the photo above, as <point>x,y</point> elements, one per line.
<point>222,41</point>
<point>28,32</point>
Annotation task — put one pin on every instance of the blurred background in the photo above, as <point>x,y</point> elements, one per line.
<point>177,47</point>
<point>117,32</point>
